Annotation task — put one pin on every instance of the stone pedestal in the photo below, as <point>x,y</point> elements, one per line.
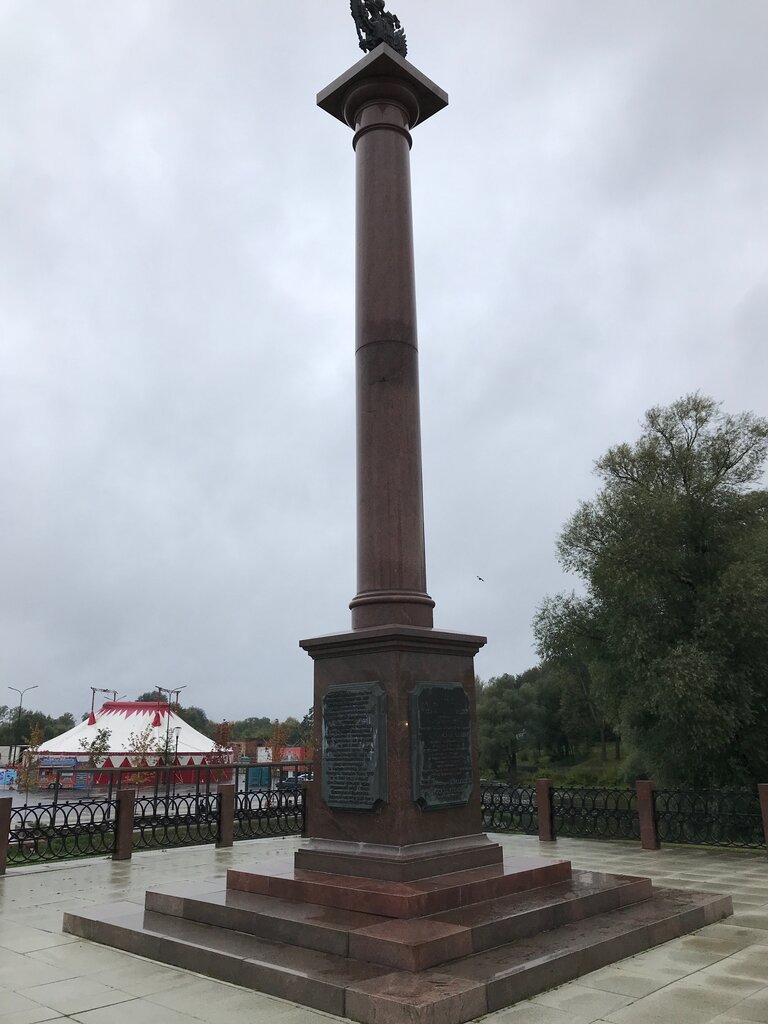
<point>396,789</point>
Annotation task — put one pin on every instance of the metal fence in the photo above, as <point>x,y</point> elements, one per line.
<point>509,808</point>
<point>269,813</point>
<point>595,813</point>
<point>44,832</point>
<point>704,818</point>
<point>166,813</point>
<point>170,809</point>
<point>709,818</point>
<point>177,820</point>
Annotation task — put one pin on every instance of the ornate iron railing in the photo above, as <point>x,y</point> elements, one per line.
<point>269,813</point>
<point>45,832</point>
<point>595,813</point>
<point>172,811</point>
<point>709,818</point>
<point>509,808</point>
<point>175,820</point>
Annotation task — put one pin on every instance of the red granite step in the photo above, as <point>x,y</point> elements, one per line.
<point>369,993</point>
<point>418,898</point>
<point>551,958</point>
<point>301,924</point>
<point>411,944</point>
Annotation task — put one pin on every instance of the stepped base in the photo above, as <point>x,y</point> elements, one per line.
<point>444,967</point>
<point>416,898</point>
<point>398,863</point>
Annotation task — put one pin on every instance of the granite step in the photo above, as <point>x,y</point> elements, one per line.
<point>417,898</point>
<point>309,925</point>
<point>414,944</point>
<point>314,979</point>
<point>451,994</point>
<point>552,958</point>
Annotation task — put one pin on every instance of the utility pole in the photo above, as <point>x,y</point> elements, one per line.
<point>17,744</point>
<point>172,693</point>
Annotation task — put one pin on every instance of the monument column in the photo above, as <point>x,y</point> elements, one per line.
<point>396,792</point>
<point>391,568</point>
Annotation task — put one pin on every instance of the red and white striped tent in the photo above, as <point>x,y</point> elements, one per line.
<point>127,720</point>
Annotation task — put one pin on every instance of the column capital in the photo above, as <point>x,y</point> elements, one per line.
<point>396,78</point>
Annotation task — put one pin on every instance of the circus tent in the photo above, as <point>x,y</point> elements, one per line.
<point>126,721</point>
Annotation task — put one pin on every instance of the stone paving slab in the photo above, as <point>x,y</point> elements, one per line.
<point>718,974</point>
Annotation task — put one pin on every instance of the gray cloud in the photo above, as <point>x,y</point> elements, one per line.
<point>176,313</point>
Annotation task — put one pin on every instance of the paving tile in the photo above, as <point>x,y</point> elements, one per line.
<point>17,1009</point>
<point>535,1013</point>
<point>681,1003</point>
<point>753,1008</point>
<point>214,1001</point>
<point>75,995</point>
<point>17,971</point>
<point>303,1015</point>
<point>629,981</point>
<point>137,1011</point>
<point>81,957</point>
<point>728,976</point>
<point>577,999</point>
<point>22,939</point>
<point>142,977</point>
<point>750,918</point>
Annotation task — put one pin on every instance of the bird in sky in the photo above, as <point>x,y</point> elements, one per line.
<point>481,579</point>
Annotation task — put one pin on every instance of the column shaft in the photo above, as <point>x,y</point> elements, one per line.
<point>391,566</point>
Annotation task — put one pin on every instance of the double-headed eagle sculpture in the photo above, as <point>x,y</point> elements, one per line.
<point>375,26</point>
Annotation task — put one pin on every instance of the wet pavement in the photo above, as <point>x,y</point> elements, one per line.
<point>718,974</point>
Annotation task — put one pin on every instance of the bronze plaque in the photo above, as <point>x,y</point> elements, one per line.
<point>441,745</point>
<point>354,765</point>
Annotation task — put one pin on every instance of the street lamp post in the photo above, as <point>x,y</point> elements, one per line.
<point>172,692</point>
<point>17,744</point>
<point>177,731</point>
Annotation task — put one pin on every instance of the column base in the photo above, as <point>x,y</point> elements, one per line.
<point>398,863</point>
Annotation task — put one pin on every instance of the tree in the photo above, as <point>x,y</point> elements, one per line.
<point>277,742</point>
<point>505,711</point>
<point>144,751</point>
<point>198,719</point>
<point>28,771</point>
<point>307,733</point>
<point>98,748</point>
<point>673,626</point>
<point>222,751</point>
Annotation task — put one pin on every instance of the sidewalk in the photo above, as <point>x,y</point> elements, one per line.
<point>718,974</point>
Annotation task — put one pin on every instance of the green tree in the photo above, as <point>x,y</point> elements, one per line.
<point>506,707</point>
<point>27,777</point>
<point>198,719</point>
<point>98,748</point>
<point>673,625</point>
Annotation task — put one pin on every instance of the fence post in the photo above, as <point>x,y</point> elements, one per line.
<point>646,810</point>
<point>305,789</point>
<point>6,804</point>
<point>545,812</point>
<point>762,789</point>
<point>226,793</point>
<point>126,811</point>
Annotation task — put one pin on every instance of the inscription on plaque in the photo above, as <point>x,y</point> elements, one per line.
<point>441,745</point>
<point>354,766</point>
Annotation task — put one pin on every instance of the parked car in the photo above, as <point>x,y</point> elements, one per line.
<point>292,784</point>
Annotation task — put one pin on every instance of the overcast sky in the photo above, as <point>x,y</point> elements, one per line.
<point>176,314</point>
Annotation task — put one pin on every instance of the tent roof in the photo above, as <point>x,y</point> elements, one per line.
<point>123,718</point>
